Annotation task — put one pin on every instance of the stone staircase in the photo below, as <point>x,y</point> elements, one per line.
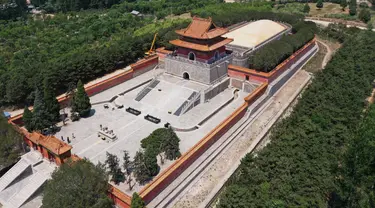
<point>147,89</point>
<point>187,105</point>
<point>13,173</point>
<point>36,181</point>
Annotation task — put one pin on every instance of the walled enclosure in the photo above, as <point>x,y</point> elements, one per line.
<point>166,177</point>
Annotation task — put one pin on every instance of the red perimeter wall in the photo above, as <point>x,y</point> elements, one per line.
<point>166,177</point>
<point>180,165</point>
<point>242,72</point>
<point>135,69</point>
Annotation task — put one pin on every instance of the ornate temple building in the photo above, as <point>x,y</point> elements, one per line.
<point>201,55</point>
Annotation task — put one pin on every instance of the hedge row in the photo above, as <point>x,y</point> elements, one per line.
<point>271,55</point>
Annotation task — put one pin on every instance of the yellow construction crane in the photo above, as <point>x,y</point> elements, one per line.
<point>152,49</point>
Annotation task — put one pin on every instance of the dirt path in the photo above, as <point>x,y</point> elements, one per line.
<point>328,55</point>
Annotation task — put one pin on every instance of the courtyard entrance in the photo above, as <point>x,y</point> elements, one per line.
<point>186,75</point>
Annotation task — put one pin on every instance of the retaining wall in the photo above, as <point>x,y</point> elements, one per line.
<point>251,74</point>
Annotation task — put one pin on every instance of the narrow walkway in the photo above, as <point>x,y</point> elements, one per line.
<point>328,55</point>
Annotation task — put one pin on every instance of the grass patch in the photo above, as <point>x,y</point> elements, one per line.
<point>295,8</point>
<point>328,8</point>
<point>342,16</point>
<point>315,64</point>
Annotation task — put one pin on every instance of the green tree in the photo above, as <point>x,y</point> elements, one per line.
<point>353,7</point>
<point>151,163</point>
<point>137,201</point>
<point>171,145</point>
<point>343,4</point>
<point>112,162</point>
<point>10,141</point>
<point>52,105</point>
<point>364,15</point>
<point>41,117</point>
<point>127,163</point>
<point>141,172</point>
<point>306,8</point>
<point>78,184</point>
<point>27,119</point>
<point>319,4</point>
<point>370,27</point>
<point>81,101</point>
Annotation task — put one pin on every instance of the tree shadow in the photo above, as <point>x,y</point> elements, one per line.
<point>91,113</point>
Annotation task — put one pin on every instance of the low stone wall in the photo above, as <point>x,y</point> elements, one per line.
<point>166,177</point>
<point>215,90</point>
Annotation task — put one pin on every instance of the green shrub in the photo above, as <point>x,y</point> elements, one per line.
<point>319,4</point>
<point>363,5</point>
<point>364,15</point>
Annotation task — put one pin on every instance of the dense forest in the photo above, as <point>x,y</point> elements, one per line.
<point>357,174</point>
<point>10,143</point>
<point>12,9</point>
<point>300,167</point>
<point>66,48</point>
<point>160,8</point>
<point>225,15</point>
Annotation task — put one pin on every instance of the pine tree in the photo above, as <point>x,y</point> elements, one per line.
<point>141,173</point>
<point>353,7</point>
<point>40,115</point>
<point>343,4</point>
<point>81,101</point>
<point>52,105</point>
<point>78,184</point>
<point>364,15</point>
<point>137,201</point>
<point>112,162</point>
<point>319,4</point>
<point>171,145</point>
<point>127,163</point>
<point>28,119</point>
<point>151,163</point>
<point>306,8</point>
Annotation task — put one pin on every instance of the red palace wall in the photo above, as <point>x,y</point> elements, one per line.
<point>136,69</point>
<point>242,72</point>
<point>166,177</point>
<point>119,198</point>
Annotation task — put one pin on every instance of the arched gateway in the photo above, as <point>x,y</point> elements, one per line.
<point>201,42</point>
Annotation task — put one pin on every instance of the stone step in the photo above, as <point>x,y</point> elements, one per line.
<point>36,181</point>
<point>13,173</point>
